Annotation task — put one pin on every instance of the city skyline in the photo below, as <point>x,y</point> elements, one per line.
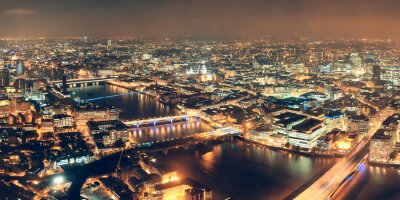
<point>221,18</point>
<point>199,100</point>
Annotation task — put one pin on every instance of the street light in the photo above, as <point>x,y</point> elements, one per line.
<point>248,124</point>
<point>58,180</point>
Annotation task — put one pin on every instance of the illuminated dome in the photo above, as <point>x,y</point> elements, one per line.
<point>200,70</point>
<point>203,69</point>
<point>190,71</point>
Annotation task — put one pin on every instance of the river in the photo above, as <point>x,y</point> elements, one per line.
<point>236,169</point>
<point>242,171</point>
<point>371,182</point>
<point>132,106</point>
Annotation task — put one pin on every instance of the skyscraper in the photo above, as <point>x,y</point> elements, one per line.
<point>4,78</point>
<point>64,85</point>
<point>20,68</point>
<point>376,73</point>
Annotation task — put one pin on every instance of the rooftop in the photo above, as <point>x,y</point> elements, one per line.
<point>308,125</point>
<point>289,117</point>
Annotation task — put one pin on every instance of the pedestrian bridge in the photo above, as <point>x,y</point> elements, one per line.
<point>114,95</point>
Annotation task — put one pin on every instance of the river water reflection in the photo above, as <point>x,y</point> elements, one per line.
<point>132,106</point>
<point>371,182</point>
<point>236,169</point>
<point>168,131</point>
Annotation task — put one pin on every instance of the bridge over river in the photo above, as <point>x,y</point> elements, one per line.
<point>327,184</point>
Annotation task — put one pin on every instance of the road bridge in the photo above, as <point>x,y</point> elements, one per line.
<point>83,82</point>
<point>326,185</point>
<point>160,120</point>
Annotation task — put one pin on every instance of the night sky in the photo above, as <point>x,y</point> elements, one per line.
<point>228,18</point>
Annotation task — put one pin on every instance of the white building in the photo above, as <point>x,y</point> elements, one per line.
<point>391,74</point>
<point>305,134</point>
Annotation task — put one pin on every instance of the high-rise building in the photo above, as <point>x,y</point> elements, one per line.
<point>64,85</point>
<point>356,62</point>
<point>391,74</point>
<point>4,78</point>
<point>20,84</point>
<point>109,43</point>
<point>381,147</point>
<point>66,46</point>
<point>376,73</point>
<point>20,68</point>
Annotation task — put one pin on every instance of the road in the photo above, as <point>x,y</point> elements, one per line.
<point>327,184</point>
<point>332,179</point>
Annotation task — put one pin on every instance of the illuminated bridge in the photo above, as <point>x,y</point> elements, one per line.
<point>160,120</point>
<point>220,134</point>
<point>325,186</point>
<point>328,183</point>
<point>83,82</point>
<point>112,96</point>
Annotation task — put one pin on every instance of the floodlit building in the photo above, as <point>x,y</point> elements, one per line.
<point>185,189</point>
<point>267,137</point>
<point>346,142</point>
<point>391,74</point>
<point>381,147</point>
<point>306,133</point>
<point>82,114</point>
<point>358,124</point>
<point>336,120</point>
<point>62,120</point>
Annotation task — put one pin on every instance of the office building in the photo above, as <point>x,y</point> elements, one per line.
<point>391,74</point>
<point>376,73</point>
<point>62,120</point>
<point>4,77</point>
<point>64,85</point>
<point>381,147</point>
<point>306,133</point>
<point>185,189</point>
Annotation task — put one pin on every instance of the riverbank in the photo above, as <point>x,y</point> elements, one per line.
<point>132,107</point>
<point>304,153</point>
<point>252,172</point>
<point>134,90</point>
<point>388,165</point>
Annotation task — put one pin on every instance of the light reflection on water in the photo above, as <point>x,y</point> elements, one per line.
<point>371,182</point>
<point>167,131</point>
<point>139,106</point>
<point>133,106</point>
<point>246,171</point>
<point>237,169</point>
